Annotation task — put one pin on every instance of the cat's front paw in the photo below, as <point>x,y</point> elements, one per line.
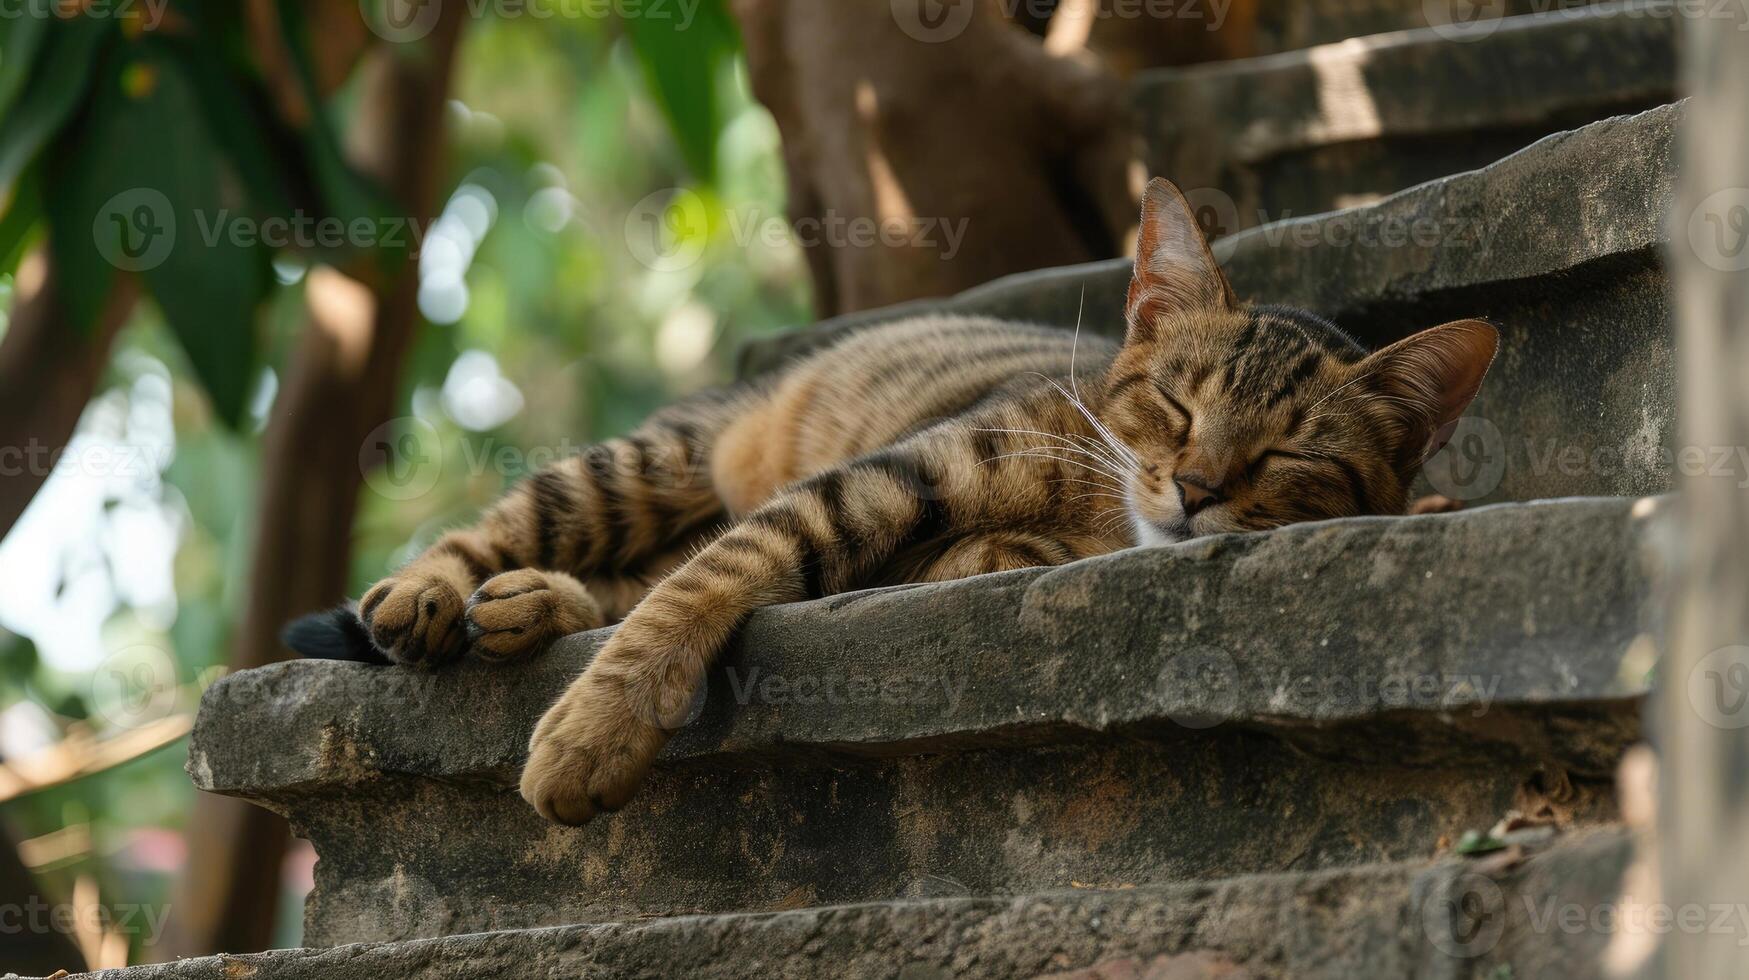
<point>517,612</point>
<point>589,753</point>
<point>415,617</point>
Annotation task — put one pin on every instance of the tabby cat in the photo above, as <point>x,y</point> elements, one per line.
<point>924,450</point>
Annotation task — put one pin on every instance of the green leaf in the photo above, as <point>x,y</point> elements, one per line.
<point>20,38</point>
<point>241,122</point>
<point>143,189</point>
<point>20,220</point>
<point>346,194</point>
<point>682,62</point>
<point>1476,842</point>
<point>51,94</point>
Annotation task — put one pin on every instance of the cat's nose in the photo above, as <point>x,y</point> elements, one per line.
<point>1196,493</point>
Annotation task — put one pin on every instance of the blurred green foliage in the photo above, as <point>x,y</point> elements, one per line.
<point>570,133</point>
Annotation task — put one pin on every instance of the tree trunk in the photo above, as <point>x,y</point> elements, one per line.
<point>342,384</point>
<point>1704,736</point>
<point>36,949</point>
<point>927,156</point>
<point>48,373</point>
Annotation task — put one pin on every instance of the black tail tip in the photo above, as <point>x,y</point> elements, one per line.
<point>333,634</point>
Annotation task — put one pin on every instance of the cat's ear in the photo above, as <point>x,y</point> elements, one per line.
<point>1433,376</point>
<point>1175,270</point>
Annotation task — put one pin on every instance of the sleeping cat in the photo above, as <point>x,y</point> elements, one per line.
<point>923,450</point>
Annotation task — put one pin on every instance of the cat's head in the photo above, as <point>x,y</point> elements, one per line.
<point>1244,418</point>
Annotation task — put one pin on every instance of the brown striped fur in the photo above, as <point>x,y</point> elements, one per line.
<point>924,450</point>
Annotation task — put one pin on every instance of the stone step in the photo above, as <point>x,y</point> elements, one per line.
<point>1289,25</point>
<point>1559,244</point>
<point>1343,124</point>
<point>1549,913</point>
<point>1325,695</point>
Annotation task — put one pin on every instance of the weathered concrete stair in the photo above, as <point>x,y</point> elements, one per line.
<point>1456,919</point>
<point>1289,25</point>
<point>1347,123</point>
<point>1325,696</point>
<point>1559,244</point>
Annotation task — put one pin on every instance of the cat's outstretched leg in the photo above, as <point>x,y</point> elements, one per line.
<point>513,582</point>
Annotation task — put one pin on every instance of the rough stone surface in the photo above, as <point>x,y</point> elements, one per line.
<point>1558,244</point>
<point>1324,695</point>
<point>1479,918</point>
<point>1288,25</point>
<point>1339,124</point>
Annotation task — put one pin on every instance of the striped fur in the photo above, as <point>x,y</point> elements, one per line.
<point>923,450</point>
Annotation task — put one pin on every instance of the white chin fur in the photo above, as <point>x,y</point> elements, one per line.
<point>1149,534</point>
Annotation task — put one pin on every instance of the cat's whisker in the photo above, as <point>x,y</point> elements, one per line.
<point>1075,342</point>
<point>1113,496</point>
<point>1105,434</point>
<point>1093,483</point>
<point>1362,376</point>
<point>1087,466</point>
<point>1103,467</point>
<point>1083,444</point>
<point>1120,518</point>
<point>1056,459</point>
<point>1102,448</point>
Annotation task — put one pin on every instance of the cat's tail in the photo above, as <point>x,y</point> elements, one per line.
<point>333,634</point>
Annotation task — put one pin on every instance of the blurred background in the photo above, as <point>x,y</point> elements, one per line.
<point>124,580</point>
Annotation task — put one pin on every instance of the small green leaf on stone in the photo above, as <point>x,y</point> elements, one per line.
<point>1476,842</point>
